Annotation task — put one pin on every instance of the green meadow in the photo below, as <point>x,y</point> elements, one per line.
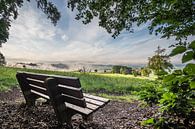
<point>101,83</point>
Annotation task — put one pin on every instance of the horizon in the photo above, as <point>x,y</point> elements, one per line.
<point>36,39</point>
<point>15,61</point>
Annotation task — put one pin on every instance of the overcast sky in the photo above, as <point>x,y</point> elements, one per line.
<point>33,37</point>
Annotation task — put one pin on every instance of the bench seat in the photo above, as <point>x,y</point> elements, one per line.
<point>93,103</point>
<point>64,93</point>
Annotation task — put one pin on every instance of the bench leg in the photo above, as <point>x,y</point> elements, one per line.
<point>29,97</point>
<point>68,119</point>
<point>57,101</point>
<point>88,118</point>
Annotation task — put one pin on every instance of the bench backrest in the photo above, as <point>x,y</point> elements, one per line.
<point>68,87</point>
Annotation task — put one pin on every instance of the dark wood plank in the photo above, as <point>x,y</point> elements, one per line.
<point>71,91</point>
<point>92,106</point>
<point>40,94</point>
<point>29,97</point>
<point>35,76</point>
<point>64,80</point>
<point>36,82</point>
<point>95,102</point>
<point>75,101</point>
<point>38,89</point>
<point>96,98</point>
<point>78,109</point>
<point>68,81</point>
<point>57,102</point>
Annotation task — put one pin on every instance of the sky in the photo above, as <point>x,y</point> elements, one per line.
<point>34,38</point>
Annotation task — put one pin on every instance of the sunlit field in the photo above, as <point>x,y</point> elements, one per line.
<point>91,82</point>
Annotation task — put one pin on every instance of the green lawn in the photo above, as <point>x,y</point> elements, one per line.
<point>91,82</point>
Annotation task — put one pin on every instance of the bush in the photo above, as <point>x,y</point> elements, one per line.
<point>122,69</point>
<point>177,104</point>
<point>145,71</point>
<point>152,94</point>
<point>136,72</point>
<point>2,60</point>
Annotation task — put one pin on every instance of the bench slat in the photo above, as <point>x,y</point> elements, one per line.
<point>73,100</point>
<point>69,81</point>
<point>95,102</point>
<point>37,89</point>
<point>86,111</point>
<point>92,106</point>
<point>78,109</point>
<point>40,94</point>
<point>96,98</point>
<point>35,82</point>
<point>35,76</point>
<point>76,92</point>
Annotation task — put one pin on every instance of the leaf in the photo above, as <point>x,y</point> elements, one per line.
<point>188,56</point>
<point>177,72</point>
<point>168,78</point>
<point>178,50</point>
<point>192,45</point>
<point>192,84</point>
<point>148,121</point>
<point>189,69</point>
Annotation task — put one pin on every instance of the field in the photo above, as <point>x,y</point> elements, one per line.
<point>104,84</point>
<point>126,112</point>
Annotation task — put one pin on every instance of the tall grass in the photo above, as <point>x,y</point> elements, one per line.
<point>91,82</point>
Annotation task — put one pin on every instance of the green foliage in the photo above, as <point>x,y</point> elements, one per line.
<point>168,17</point>
<point>192,45</point>
<point>188,52</point>
<point>188,56</point>
<point>178,102</point>
<point>9,11</point>
<point>116,69</point>
<point>145,71</point>
<point>136,72</point>
<point>189,69</point>
<point>160,62</point>
<point>91,82</point>
<point>2,60</point>
<point>152,94</point>
<point>178,50</point>
<point>148,121</point>
<point>121,69</point>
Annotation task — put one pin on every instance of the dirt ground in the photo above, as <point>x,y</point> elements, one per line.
<point>14,114</point>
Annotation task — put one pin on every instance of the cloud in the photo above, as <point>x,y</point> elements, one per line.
<point>33,37</point>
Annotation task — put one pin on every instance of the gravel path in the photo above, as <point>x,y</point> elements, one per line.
<point>115,115</point>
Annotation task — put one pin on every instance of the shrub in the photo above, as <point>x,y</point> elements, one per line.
<point>121,69</point>
<point>2,60</point>
<point>152,94</point>
<point>145,71</point>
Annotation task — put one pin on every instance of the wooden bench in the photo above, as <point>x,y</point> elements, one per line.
<point>64,93</point>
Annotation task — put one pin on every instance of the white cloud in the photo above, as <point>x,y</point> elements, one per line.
<point>33,37</point>
<point>65,37</point>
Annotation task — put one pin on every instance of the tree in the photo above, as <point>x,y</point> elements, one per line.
<point>170,18</point>
<point>160,62</point>
<point>116,69</point>
<point>9,11</point>
<point>145,71</point>
<point>2,60</point>
<point>167,17</point>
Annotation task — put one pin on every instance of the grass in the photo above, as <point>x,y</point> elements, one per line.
<point>91,82</point>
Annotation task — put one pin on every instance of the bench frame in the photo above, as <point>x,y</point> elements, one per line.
<point>58,101</point>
